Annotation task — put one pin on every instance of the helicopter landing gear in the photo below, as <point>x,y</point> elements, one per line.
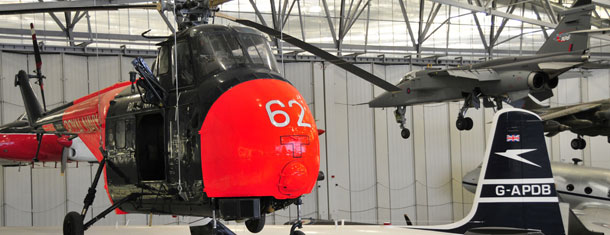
<point>399,114</point>
<point>73,221</point>
<point>73,224</point>
<point>578,143</point>
<point>299,222</point>
<point>255,225</point>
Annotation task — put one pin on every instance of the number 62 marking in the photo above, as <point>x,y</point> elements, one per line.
<point>272,114</point>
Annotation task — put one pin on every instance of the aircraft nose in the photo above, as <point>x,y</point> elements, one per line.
<point>387,99</point>
<point>259,139</point>
<point>471,180</point>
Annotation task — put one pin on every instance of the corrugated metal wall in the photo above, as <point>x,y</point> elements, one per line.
<point>372,174</point>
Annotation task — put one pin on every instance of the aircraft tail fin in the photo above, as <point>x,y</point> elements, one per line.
<point>516,190</point>
<point>578,17</point>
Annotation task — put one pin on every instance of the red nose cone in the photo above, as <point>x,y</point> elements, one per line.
<point>259,139</point>
<point>294,178</point>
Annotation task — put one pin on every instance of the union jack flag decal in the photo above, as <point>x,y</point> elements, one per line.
<point>513,138</point>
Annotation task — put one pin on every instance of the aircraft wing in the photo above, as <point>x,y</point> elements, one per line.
<point>595,218</point>
<point>476,74</point>
<point>558,65</point>
<point>562,112</point>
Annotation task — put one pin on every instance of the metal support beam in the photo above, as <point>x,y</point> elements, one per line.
<point>494,12</point>
<point>341,26</point>
<point>552,15</point>
<point>356,17</point>
<point>510,10</point>
<point>282,16</point>
<point>330,23</point>
<point>274,14</point>
<point>481,34</point>
<point>492,27</point>
<point>447,21</point>
<point>422,3</point>
<point>77,17</point>
<point>59,23</point>
<point>546,36</point>
<point>288,14</point>
<point>258,13</point>
<point>69,29</point>
<point>167,22</point>
<point>403,7</point>
<point>366,33</point>
<point>431,16</point>
<point>301,20</point>
<point>351,15</point>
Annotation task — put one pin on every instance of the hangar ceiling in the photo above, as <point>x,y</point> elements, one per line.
<point>471,28</point>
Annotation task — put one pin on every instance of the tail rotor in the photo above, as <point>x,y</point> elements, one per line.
<point>39,75</point>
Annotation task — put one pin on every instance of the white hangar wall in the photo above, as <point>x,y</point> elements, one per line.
<point>372,174</point>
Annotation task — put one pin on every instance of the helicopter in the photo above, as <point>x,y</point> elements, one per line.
<point>211,129</point>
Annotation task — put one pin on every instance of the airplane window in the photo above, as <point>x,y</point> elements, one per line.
<point>570,187</point>
<point>588,190</point>
<point>120,134</point>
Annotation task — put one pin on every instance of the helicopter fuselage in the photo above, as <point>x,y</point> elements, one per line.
<point>232,136</point>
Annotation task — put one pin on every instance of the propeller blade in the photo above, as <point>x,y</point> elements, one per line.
<point>38,66</point>
<point>318,52</point>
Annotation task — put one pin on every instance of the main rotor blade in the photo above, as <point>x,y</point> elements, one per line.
<point>44,7</point>
<point>318,52</point>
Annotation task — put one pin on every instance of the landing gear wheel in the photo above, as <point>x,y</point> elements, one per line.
<point>297,232</point>
<point>469,123</point>
<point>256,225</point>
<point>464,124</point>
<point>73,224</point>
<point>578,143</point>
<point>460,124</point>
<point>405,133</point>
<point>574,144</point>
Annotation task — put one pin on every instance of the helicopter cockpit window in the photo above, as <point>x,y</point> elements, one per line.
<point>163,63</point>
<point>185,65</point>
<point>224,49</point>
<point>259,51</point>
<point>218,51</point>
